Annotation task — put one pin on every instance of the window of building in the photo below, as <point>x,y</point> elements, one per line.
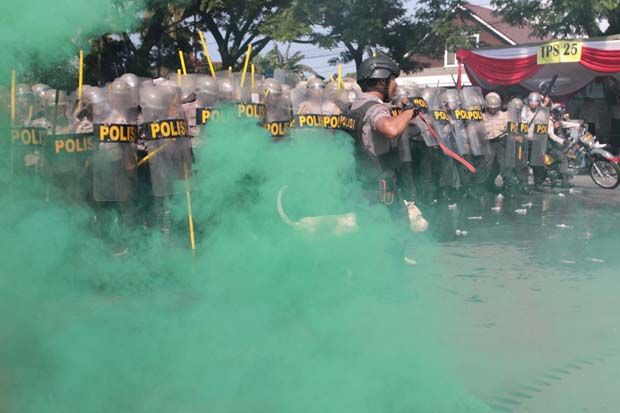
<point>449,59</point>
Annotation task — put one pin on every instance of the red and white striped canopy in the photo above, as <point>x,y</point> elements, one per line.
<point>576,62</point>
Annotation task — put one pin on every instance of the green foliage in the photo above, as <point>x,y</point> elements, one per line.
<point>234,24</point>
<point>163,27</point>
<point>275,59</point>
<point>437,21</point>
<point>563,18</point>
<point>364,26</point>
<point>61,76</point>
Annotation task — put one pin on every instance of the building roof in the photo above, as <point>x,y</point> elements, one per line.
<point>435,76</point>
<point>517,35</point>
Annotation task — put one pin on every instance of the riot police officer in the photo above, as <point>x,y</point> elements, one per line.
<point>495,122</point>
<point>377,132</point>
<point>536,116</point>
<point>404,170</point>
<point>315,102</point>
<point>557,143</point>
<point>277,106</point>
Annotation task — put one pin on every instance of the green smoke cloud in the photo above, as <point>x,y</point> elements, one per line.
<point>262,317</point>
<point>39,32</point>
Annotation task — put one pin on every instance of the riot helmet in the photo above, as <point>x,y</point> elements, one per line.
<point>451,99</point>
<point>272,87</point>
<point>131,79</point>
<point>226,89</point>
<point>559,112</point>
<point>154,102</point>
<point>24,103</point>
<point>207,91</point>
<point>517,103</point>
<point>375,69</point>
<point>315,88</point>
<point>378,67</point>
<point>400,95</point>
<point>534,100</point>
<point>53,111</point>
<point>187,83</point>
<point>428,94</point>
<point>286,91</point>
<point>493,102</point>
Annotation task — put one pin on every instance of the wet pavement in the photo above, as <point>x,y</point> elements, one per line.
<point>530,289</point>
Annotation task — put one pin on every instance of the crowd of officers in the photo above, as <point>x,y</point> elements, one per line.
<point>132,139</point>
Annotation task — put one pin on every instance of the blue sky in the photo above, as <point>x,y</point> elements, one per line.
<point>317,57</point>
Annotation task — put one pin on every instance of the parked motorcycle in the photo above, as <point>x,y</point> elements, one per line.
<point>587,156</point>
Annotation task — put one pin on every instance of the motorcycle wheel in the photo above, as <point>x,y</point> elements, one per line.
<point>605,174</point>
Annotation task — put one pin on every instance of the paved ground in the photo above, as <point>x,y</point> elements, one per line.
<point>532,321</point>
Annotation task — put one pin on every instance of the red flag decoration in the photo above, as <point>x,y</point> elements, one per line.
<point>577,62</point>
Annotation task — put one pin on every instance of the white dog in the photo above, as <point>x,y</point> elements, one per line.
<point>324,224</point>
<point>345,223</point>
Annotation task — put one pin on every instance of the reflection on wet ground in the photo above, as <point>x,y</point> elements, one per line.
<point>530,287</point>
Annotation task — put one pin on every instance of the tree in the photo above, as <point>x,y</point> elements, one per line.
<point>167,26</point>
<point>275,59</point>
<point>164,28</point>
<point>62,75</point>
<point>562,18</point>
<point>234,24</point>
<point>436,21</point>
<point>365,26</point>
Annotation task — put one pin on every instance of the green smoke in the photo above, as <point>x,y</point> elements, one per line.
<point>264,317</point>
<point>31,33</point>
<point>261,318</point>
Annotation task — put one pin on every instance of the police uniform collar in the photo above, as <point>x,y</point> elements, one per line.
<point>370,96</point>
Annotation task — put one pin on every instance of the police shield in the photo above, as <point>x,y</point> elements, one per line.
<point>286,77</point>
<point>27,136</point>
<point>27,149</point>
<point>339,96</point>
<point>248,98</point>
<point>38,91</point>
<point>277,114</point>
<point>167,141</point>
<point>67,154</point>
<point>472,101</point>
<point>457,119</point>
<point>313,101</point>
<point>420,98</point>
<point>187,84</point>
<point>343,95</point>
<point>226,88</point>
<point>514,149</point>
<point>540,134</point>
<point>115,134</point>
<point>248,87</point>
<point>298,95</point>
<point>207,99</point>
<point>439,117</point>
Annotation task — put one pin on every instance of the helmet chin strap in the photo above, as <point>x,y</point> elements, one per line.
<point>384,91</point>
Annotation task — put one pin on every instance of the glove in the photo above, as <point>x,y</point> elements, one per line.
<point>411,106</point>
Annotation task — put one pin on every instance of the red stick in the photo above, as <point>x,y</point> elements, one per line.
<point>447,151</point>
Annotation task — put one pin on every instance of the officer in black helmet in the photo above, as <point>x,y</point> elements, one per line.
<point>377,132</point>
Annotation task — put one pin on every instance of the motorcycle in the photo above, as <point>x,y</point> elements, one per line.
<point>587,156</point>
